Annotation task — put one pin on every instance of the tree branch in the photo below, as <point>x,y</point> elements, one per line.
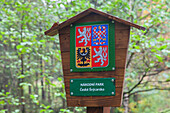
<point>139,82</point>
<point>144,17</point>
<point>130,59</point>
<point>155,81</point>
<point>159,71</point>
<point>145,91</point>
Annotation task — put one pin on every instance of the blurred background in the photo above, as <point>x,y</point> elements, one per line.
<point>31,78</point>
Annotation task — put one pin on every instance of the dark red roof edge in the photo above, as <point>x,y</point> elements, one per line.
<point>54,29</point>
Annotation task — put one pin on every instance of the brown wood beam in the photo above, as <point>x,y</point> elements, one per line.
<point>98,109</point>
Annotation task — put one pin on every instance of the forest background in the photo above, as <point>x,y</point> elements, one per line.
<point>31,78</point>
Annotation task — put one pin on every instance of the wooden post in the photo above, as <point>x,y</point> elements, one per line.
<point>98,109</point>
<point>106,110</point>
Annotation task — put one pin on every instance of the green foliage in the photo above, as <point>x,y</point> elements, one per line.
<point>153,103</point>
<point>30,62</point>
<point>6,98</point>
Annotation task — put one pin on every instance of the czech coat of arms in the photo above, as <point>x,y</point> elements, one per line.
<point>92,46</point>
<point>89,47</point>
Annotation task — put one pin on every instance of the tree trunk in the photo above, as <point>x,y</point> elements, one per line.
<point>64,103</point>
<point>52,92</point>
<point>21,80</point>
<point>42,89</point>
<point>126,103</point>
<point>112,109</point>
<point>42,81</point>
<point>49,91</point>
<point>36,84</point>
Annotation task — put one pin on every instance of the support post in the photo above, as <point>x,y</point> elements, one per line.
<point>98,109</point>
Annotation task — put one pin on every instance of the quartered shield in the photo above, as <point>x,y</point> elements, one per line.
<point>92,47</point>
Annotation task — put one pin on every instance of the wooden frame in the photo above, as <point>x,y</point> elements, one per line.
<point>122,32</point>
<point>111,34</point>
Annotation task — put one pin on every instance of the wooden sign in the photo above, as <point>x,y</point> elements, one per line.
<point>92,87</point>
<point>94,48</point>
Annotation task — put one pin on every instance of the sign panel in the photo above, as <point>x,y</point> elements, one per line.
<point>92,47</point>
<point>92,87</point>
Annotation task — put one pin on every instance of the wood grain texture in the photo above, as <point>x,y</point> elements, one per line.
<point>106,109</point>
<point>95,110</point>
<point>121,46</point>
<point>80,17</point>
<point>98,109</point>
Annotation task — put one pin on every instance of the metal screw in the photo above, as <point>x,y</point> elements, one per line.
<point>71,70</point>
<point>113,21</point>
<point>112,80</point>
<point>113,68</point>
<point>71,25</point>
<point>113,93</point>
<point>71,81</point>
<point>71,93</point>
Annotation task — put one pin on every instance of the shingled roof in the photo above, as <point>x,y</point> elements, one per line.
<point>56,26</point>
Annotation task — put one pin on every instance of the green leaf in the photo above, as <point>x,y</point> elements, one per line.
<point>167,80</point>
<point>59,79</point>
<point>19,46</point>
<point>160,59</point>
<point>167,64</point>
<point>2,102</point>
<point>42,41</point>
<point>21,76</point>
<point>25,84</point>
<point>162,47</point>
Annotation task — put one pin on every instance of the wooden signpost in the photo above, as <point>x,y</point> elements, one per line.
<point>94,47</point>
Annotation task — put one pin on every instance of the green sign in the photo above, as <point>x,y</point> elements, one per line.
<point>92,46</point>
<point>92,87</point>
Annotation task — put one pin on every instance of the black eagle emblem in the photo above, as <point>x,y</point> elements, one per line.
<point>83,56</point>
